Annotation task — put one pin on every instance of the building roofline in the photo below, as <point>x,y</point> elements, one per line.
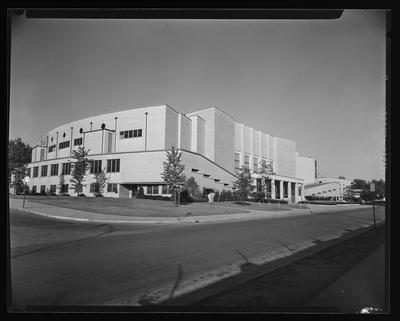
<point>193,112</point>
<point>106,114</point>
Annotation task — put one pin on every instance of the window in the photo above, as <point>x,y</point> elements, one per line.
<point>52,148</point>
<point>42,189</point>
<point>63,145</point>
<point>164,189</point>
<point>95,167</point>
<point>113,165</point>
<point>36,171</point>
<point>255,164</point>
<point>112,188</point>
<point>42,153</point>
<point>285,189</point>
<point>78,141</point>
<point>34,189</point>
<point>246,160</point>
<point>44,170</point>
<point>94,188</point>
<point>66,169</point>
<point>152,189</point>
<point>237,163</point>
<point>53,189</point>
<point>130,133</point>
<point>28,172</point>
<point>54,170</point>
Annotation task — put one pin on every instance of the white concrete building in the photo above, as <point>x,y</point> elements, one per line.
<point>328,187</point>
<point>131,146</point>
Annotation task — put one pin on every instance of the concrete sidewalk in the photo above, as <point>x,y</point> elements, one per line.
<point>362,287</point>
<point>84,216</point>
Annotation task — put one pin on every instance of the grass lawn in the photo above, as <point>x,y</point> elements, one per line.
<point>147,208</point>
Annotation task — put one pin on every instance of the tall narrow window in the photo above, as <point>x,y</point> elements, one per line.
<point>77,141</point>
<point>36,171</point>
<point>54,170</point>
<point>44,170</point>
<point>255,164</point>
<point>113,165</point>
<point>247,161</point>
<point>95,167</point>
<point>237,163</point>
<point>66,169</point>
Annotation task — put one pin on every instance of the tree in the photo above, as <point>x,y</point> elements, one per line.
<point>244,183</point>
<point>61,185</point>
<point>192,187</point>
<point>265,184</point>
<point>79,168</point>
<point>341,177</point>
<point>17,181</point>
<point>359,184</point>
<point>101,179</point>
<point>19,155</point>
<point>173,170</point>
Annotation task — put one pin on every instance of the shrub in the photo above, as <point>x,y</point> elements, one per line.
<point>81,195</point>
<point>200,198</point>
<point>185,197</point>
<point>242,203</point>
<point>157,197</point>
<point>140,193</point>
<point>98,195</point>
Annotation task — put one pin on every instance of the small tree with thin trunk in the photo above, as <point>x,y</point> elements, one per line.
<point>173,171</point>
<point>101,180</point>
<point>265,171</point>
<point>19,155</point>
<point>244,183</point>
<point>62,186</point>
<point>79,168</point>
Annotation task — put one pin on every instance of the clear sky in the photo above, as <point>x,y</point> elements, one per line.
<point>319,83</point>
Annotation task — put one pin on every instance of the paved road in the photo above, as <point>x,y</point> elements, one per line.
<point>67,263</point>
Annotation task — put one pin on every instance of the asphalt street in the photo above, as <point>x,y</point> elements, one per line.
<point>68,263</point>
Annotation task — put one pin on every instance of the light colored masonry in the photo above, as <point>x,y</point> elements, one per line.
<point>131,146</point>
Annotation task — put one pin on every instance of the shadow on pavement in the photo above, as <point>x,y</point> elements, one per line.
<point>287,283</point>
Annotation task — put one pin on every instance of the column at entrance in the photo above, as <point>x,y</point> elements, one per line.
<point>281,189</point>
<point>290,200</point>
<point>272,189</point>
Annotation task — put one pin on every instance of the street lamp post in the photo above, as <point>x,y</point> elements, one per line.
<point>26,181</point>
<point>145,133</point>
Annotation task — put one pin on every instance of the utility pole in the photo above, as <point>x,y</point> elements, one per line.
<point>372,189</point>
<point>26,180</point>
<point>145,133</point>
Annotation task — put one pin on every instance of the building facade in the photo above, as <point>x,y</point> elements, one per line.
<point>335,188</point>
<point>130,146</point>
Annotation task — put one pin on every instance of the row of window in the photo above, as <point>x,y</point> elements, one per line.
<point>113,166</point>
<point>130,133</point>
<point>154,189</point>
<point>246,163</point>
<point>64,188</point>
<point>63,145</point>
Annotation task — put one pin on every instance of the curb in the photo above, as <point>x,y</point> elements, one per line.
<point>178,221</point>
